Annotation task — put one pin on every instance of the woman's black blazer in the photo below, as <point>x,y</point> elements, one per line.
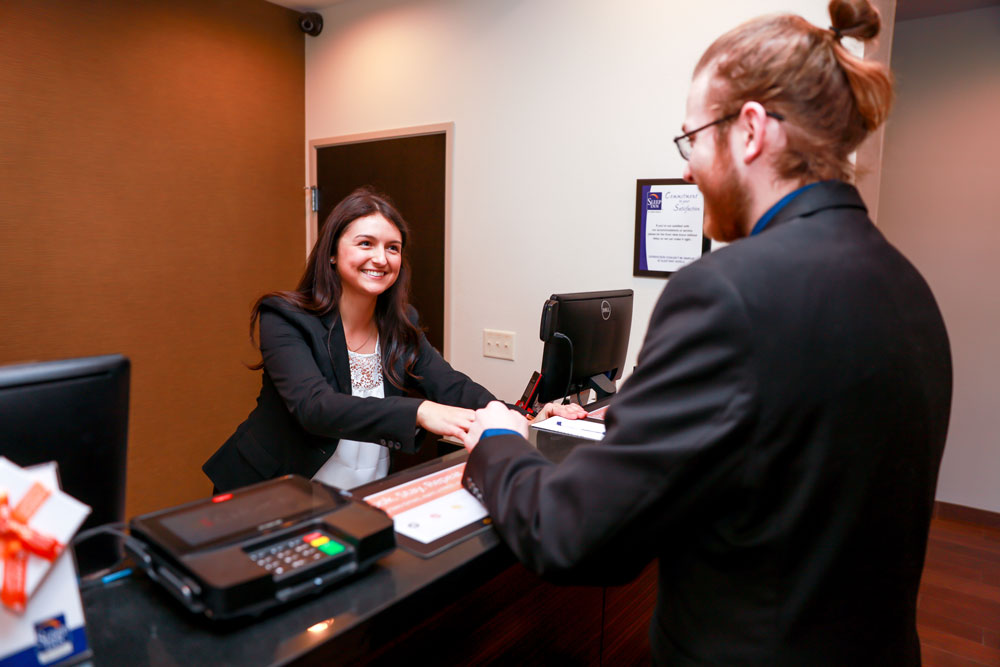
<point>305,404</point>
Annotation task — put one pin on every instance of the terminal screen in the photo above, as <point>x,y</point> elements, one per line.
<point>242,512</point>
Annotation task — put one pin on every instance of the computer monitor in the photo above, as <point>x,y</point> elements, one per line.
<point>586,338</point>
<point>74,412</point>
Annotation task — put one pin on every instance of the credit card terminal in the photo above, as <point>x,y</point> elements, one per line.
<point>260,546</point>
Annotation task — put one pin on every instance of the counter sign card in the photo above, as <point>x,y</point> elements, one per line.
<point>669,215</point>
<point>41,616</point>
<point>431,508</point>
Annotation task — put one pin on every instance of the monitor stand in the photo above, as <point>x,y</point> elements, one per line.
<point>602,386</point>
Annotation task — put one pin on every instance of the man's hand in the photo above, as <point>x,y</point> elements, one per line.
<point>494,415</point>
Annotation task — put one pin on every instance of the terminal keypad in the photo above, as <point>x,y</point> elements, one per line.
<point>297,552</point>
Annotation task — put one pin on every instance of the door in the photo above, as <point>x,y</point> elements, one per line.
<point>411,170</point>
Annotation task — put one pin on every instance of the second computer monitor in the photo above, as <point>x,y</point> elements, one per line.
<point>74,412</point>
<point>586,339</point>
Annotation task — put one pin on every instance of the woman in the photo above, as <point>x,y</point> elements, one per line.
<point>339,355</point>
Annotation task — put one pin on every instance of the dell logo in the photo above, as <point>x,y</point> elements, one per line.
<point>605,310</point>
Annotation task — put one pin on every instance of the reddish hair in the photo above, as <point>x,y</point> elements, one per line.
<point>830,99</point>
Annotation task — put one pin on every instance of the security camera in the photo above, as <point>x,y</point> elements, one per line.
<point>311,23</point>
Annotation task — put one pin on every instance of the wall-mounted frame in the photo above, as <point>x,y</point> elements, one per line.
<point>669,215</point>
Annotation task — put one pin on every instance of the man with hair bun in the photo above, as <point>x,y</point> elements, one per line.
<point>777,447</point>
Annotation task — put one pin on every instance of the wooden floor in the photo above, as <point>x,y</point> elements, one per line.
<point>958,611</point>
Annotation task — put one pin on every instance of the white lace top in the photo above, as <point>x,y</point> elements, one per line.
<point>355,463</point>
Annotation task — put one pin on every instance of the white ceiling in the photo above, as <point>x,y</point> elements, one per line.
<point>905,9</point>
<point>306,5</point>
<point>915,9</point>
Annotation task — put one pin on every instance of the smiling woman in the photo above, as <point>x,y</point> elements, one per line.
<point>370,256</point>
<point>339,355</point>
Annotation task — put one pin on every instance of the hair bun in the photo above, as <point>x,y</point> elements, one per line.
<point>854,18</point>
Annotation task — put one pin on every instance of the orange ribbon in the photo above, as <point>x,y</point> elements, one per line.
<point>17,540</point>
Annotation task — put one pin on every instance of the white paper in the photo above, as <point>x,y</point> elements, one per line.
<point>579,428</point>
<point>439,517</point>
<point>429,507</point>
<point>674,230</point>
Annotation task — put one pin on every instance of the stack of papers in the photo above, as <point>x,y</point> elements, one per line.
<point>579,428</point>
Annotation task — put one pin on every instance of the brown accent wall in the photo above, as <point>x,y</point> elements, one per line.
<point>151,171</point>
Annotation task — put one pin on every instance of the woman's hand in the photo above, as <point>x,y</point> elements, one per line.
<point>568,411</point>
<point>445,419</point>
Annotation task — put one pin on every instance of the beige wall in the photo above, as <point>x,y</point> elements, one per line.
<point>150,188</point>
<point>559,106</point>
<point>941,205</point>
<point>868,176</point>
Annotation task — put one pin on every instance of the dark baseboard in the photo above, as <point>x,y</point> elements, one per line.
<point>965,514</point>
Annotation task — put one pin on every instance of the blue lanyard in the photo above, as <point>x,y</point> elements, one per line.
<point>773,211</point>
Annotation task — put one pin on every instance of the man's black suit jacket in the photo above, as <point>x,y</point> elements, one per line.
<point>776,449</point>
<point>305,404</point>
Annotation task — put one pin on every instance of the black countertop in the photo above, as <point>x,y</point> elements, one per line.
<point>132,621</point>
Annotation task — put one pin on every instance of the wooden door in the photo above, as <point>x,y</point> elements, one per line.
<point>411,170</point>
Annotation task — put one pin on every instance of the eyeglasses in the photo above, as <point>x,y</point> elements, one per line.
<point>684,141</point>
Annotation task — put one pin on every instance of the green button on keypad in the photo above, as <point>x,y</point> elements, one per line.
<point>331,548</point>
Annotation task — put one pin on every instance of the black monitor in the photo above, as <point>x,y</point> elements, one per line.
<point>74,412</point>
<point>586,339</point>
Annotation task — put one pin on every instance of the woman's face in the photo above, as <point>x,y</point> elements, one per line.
<point>369,254</point>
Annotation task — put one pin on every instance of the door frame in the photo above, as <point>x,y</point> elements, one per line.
<point>448,129</point>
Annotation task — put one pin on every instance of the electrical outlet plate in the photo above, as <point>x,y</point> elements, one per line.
<point>498,344</point>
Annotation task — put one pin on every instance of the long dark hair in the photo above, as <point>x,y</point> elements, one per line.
<point>319,289</point>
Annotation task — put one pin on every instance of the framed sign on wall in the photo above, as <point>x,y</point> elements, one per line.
<point>669,214</point>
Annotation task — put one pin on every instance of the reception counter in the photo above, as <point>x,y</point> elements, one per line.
<point>470,603</point>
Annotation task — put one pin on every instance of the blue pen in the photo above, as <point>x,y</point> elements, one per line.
<point>115,576</point>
